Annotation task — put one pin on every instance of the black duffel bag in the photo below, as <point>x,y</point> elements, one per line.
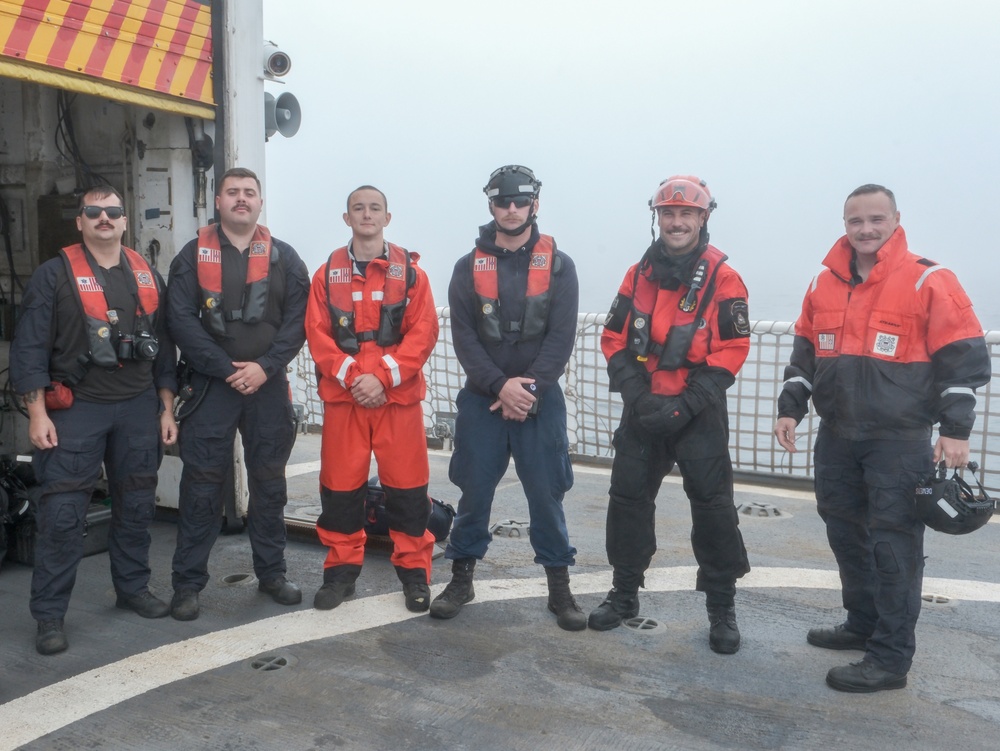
<point>440,515</point>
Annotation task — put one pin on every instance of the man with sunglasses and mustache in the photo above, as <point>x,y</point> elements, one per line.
<point>90,353</point>
<point>513,319</point>
<point>237,306</point>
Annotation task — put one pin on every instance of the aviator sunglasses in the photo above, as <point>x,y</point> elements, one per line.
<point>94,212</point>
<point>502,202</point>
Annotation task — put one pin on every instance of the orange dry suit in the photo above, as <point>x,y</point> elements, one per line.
<point>701,323</point>
<point>381,323</point>
<point>889,356</point>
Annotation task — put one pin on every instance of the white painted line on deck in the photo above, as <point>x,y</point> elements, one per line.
<point>55,706</point>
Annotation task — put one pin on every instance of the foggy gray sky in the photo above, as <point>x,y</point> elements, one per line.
<point>782,106</point>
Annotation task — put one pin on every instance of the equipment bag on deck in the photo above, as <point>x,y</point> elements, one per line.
<point>376,523</point>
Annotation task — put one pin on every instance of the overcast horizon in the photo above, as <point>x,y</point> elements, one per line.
<point>782,107</point>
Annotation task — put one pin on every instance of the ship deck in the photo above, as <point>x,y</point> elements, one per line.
<point>250,674</point>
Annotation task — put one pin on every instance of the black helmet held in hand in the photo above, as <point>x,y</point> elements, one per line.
<point>948,504</point>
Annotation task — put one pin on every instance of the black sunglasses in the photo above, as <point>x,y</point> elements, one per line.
<point>94,212</point>
<point>502,202</point>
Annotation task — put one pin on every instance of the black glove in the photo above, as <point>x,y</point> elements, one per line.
<point>649,403</point>
<point>668,419</point>
<point>628,377</point>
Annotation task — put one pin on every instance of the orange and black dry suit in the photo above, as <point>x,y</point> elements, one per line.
<point>380,322</point>
<point>883,359</point>
<point>679,327</point>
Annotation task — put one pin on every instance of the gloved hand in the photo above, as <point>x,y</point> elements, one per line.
<point>668,419</point>
<point>649,403</point>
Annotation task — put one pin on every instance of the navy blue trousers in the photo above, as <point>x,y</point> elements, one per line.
<point>865,494</point>
<point>266,424</point>
<point>125,436</point>
<point>484,445</point>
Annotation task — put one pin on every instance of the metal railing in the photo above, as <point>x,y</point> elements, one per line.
<point>593,412</point>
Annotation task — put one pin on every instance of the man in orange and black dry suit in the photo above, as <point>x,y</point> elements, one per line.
<point>371,325</point>
<point>886,345</point>
<point>676,336</point>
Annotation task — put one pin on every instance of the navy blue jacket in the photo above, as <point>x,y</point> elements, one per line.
<point>488,365</point>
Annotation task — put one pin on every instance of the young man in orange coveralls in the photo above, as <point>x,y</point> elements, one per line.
<point>887,344</point>
<point>677,334</point>
<point>371,325</point>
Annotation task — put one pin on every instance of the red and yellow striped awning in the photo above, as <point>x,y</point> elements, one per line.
<point>156,53</point>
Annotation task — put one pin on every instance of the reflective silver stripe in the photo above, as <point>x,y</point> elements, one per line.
<point>931,270</point>
<point>800,379</point>
<point>342,373</point>
<point>958,390</point>
<point>357,295</point>
<point>378,294</point>
<point>393,369</point>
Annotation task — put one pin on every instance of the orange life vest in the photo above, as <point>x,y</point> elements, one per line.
<point>259,258</point>
<point>99,319</point>
<point>536,302</point>
<point>673,353</point>
<point>340,299</point>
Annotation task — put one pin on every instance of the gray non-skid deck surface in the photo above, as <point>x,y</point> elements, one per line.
<point>501,675</point>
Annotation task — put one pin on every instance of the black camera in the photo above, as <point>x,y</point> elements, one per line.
<point>142,346</point>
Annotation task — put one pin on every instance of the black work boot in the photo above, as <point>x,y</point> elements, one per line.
<point>569,617</point>
<point>50,638</point>
<point>458,592</point>
<point>416,592</point>
<point>338,585</point>
<point>617,607</point>
<point>723,633</point>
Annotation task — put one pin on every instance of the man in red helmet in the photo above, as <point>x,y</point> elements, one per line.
<point>887,344</point>
<point>676,335</point>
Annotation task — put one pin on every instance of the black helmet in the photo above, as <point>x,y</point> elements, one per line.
<point>512,180</point>
<point>949,504</point>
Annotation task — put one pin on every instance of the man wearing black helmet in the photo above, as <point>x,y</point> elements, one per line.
<point>886,345</point>
<point>677,334</point>
<point>513,318</point>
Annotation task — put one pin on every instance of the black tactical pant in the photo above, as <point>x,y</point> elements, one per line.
<point>641,462</point>
<point>125,436</point>
<point>266,423</point>
<point>865,494</point>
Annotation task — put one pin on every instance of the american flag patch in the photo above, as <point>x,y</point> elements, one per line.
<point>209,255</point>
<point>339,276</point>
<point>486,264</point>
<point>88,284</point>
<point>827,341</point>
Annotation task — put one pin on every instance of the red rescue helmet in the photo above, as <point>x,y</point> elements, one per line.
<point>683,190</point>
